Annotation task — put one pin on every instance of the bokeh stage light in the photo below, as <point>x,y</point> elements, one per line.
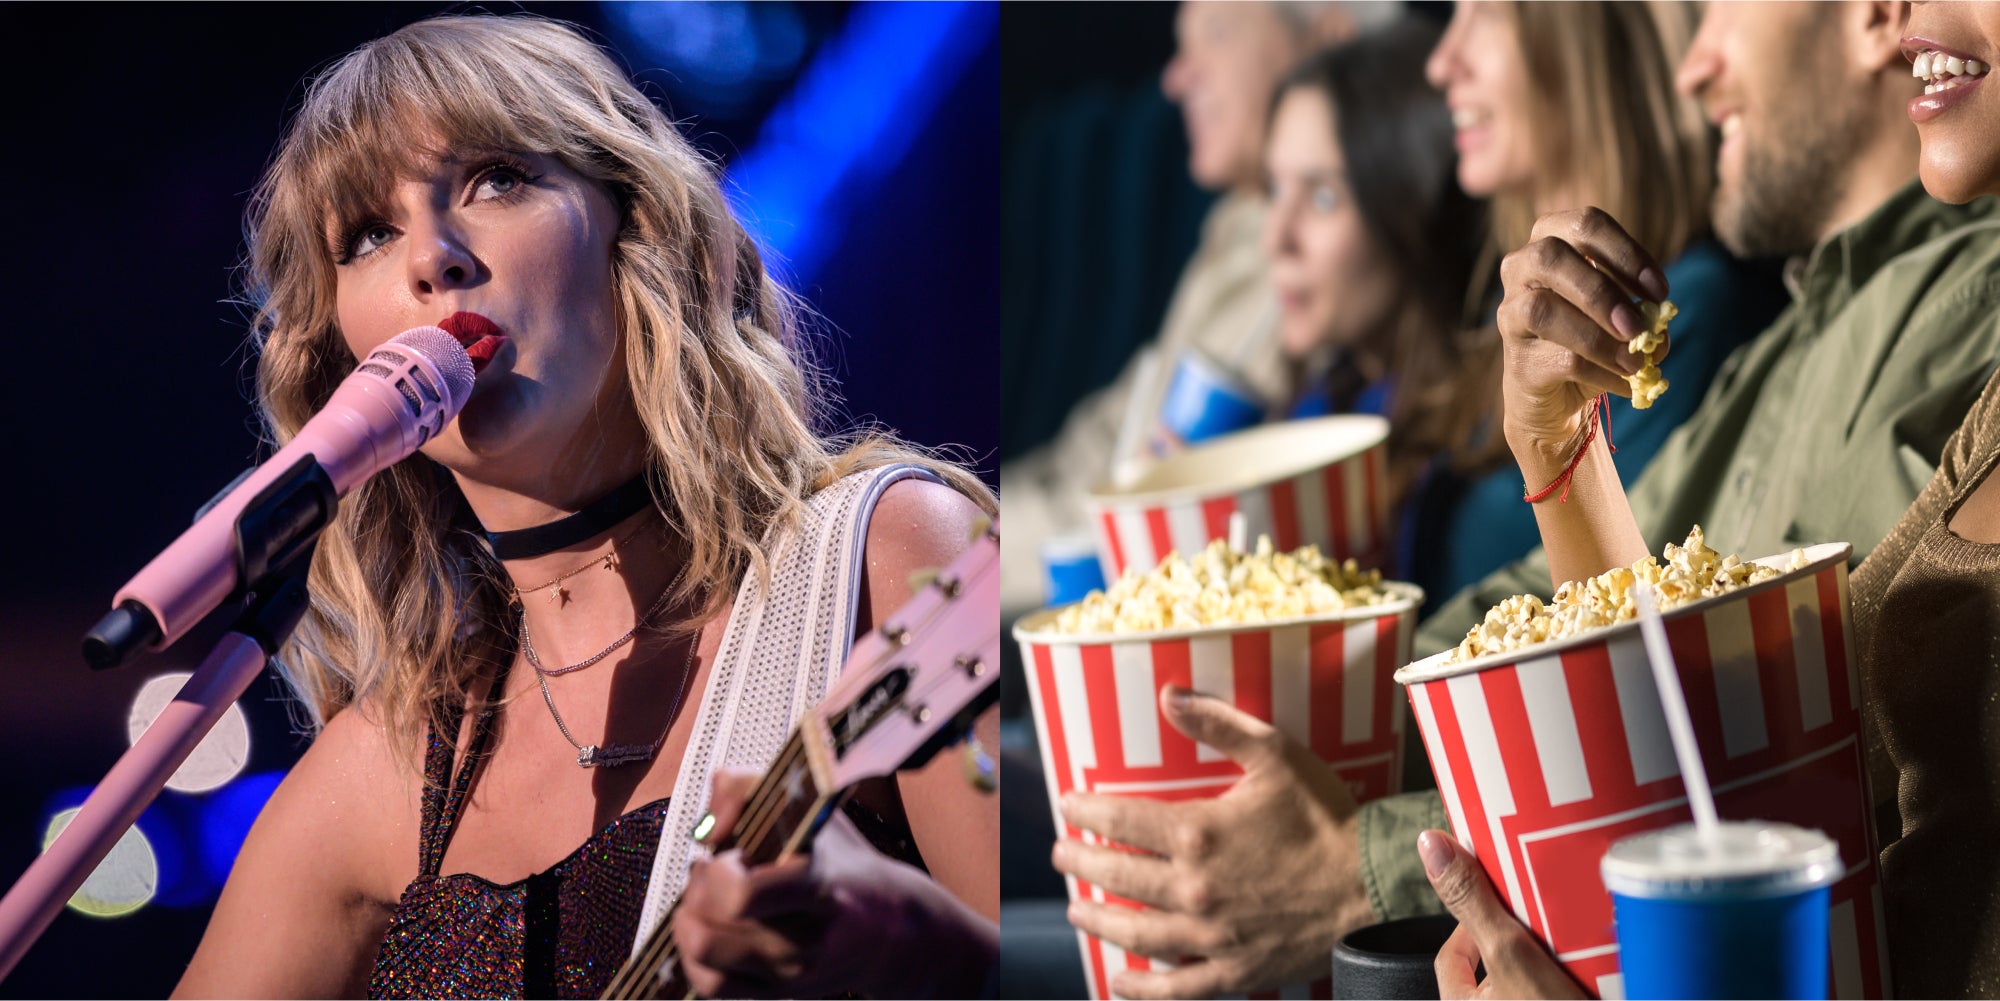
<point>221,754</point>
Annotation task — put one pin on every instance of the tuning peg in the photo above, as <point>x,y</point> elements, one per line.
<point>979,767</point>
<point>980,526</point>
<point>922,579</point>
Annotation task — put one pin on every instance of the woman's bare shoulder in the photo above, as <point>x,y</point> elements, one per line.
<point>319,875</point>
<point>917,524</point>
<point>352,797</point>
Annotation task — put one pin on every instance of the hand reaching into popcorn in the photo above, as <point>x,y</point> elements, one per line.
<point>1570,330</point>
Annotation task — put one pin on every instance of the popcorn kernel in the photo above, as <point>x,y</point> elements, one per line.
<point>1647,385</point>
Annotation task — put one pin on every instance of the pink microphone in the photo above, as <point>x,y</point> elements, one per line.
<point>399,397</point>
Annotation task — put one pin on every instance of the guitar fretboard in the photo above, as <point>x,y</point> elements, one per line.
<point>780,818</point>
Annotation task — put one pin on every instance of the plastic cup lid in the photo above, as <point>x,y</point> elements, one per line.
<point>1752,858</point>
<point>1070,547</point>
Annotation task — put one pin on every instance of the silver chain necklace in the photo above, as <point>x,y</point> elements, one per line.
<point>612,755</point>
<point>536,662</point>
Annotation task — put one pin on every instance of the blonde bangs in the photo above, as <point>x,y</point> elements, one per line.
<point>405,102</point>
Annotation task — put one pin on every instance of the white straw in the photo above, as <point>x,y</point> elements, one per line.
<point>1679,725</point>
<point>1239,532</point>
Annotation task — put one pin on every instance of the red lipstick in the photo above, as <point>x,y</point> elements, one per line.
<point>482,337</point>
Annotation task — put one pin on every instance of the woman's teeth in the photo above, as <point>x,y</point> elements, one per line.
<point>1465,118</point>
<point>1943,72</point>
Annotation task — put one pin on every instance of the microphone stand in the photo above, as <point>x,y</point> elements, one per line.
<point>275,540</point>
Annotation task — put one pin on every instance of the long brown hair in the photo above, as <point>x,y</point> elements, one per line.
<point>1619,132</point>
<point>407,606</point>
<point>1395,136</point>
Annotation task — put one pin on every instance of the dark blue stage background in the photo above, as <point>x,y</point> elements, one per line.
<point>863,140</point>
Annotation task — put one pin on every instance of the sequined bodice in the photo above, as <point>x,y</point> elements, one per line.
<point>560,933</point>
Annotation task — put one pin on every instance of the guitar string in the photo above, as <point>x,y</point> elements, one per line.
<point>664,948</point>
<point>764,801</point>
<point>640,976</point>
<point>762,812</point>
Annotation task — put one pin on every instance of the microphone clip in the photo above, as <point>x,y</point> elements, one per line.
<point>273,540</point>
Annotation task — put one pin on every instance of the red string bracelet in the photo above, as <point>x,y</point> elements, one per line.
<point>1600,405</point>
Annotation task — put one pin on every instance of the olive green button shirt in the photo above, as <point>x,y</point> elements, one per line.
<point>1822,429</point>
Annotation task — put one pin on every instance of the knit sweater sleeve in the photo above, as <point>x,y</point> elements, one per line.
<point>1963,455</point>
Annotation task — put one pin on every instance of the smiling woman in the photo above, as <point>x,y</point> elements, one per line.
<point>630,522</point>
<point>1568,106</point>
<point>1954,52</point>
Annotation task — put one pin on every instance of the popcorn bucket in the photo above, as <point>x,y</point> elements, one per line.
<point>1325,680</point>
<point>1322,481</point>
<point>1548,754</point>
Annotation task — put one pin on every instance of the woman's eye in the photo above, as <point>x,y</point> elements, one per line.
<point>369,238</point>
<point>497,183</point>
<point>1325,199</point>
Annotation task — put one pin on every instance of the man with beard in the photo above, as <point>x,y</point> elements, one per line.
<point>1823,428</point>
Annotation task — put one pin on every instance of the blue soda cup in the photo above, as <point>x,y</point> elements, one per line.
<point>1071,566</point>
<point>1742,916</point>
<point>1204,400</point>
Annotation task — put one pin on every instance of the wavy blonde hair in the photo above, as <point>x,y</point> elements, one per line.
<point>407,605</point>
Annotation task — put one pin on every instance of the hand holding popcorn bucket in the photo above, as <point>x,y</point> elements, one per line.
<point>1547,751</point>
<point>1324,678</point>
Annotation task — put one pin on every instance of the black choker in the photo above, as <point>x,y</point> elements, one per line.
<point>600,516</point>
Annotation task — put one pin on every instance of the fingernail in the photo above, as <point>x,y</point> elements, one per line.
<point>1068,800</point>
<point>1626,320</point>
<point>1437,854</point>
<point>1059,855</point>
<point>1074,913</point>
<point>704,828</point>
<point>1179,698</point>
<point>1654,283</point>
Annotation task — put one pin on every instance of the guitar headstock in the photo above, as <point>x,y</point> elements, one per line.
<point>916,684</point>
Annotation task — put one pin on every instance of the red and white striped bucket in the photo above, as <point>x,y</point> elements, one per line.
<point>1546,756</point>
<point>1326,680</point>
<point>1322,482</point>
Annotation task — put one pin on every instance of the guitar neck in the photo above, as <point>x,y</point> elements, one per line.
<point>780,818</point>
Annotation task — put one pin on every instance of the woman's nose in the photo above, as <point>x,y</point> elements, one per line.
<point>1441,65</point>
<point>439,261</point>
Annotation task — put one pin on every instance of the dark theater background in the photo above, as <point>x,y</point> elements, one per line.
<point>860,141</point>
